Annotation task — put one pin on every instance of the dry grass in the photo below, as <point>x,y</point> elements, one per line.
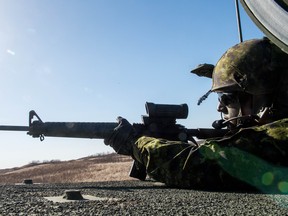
<point>111,167</point>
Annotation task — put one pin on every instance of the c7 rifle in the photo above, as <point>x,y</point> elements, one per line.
<point>160,122</point>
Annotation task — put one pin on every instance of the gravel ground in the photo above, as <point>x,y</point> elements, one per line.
<point>135,198</point>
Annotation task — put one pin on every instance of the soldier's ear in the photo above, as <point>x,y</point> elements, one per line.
<point>203,70</point>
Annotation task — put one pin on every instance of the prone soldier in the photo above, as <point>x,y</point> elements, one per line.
<point>251,80</point>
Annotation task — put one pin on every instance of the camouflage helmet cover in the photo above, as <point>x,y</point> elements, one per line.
<point>251,66</point>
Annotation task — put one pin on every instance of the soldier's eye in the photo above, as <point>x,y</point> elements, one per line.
<point>228,98</point>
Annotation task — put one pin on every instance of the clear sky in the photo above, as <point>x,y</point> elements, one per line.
<point>93,60</point>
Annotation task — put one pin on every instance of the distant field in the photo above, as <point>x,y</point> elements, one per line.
<point>110,167</point>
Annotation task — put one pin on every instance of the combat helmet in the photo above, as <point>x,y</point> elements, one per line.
<point>251,66</point>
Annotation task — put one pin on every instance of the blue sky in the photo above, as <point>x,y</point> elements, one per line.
<point>94,60</point>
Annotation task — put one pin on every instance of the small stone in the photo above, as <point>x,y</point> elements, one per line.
<point>73,195</point>
<point>27,181</point>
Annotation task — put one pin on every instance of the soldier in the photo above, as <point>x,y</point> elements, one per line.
<point>251,79</point>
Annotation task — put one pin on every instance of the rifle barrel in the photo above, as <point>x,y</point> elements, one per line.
<point>14,128</point>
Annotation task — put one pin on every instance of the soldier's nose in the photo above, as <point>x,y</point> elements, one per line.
<point>221,108</point>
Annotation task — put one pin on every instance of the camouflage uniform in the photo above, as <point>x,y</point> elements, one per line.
<point>255,156</point>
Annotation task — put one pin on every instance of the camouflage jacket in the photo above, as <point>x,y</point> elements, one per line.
<point>252,158</point>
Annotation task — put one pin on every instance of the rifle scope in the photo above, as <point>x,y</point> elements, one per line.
<point>167,110</point>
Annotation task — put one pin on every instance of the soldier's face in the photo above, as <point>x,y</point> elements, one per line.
<point>235,104</point>
<point>229,106</point>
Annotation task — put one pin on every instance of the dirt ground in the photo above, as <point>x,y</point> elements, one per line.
<point>110,167</point>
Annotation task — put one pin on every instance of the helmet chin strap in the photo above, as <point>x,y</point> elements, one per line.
<point>243,121</point>
<point>266,115</point>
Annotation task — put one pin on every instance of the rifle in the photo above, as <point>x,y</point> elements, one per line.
<point>159,123</point>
